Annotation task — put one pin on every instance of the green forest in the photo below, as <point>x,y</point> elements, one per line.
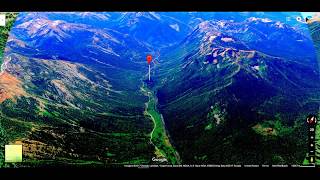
<point>4,34</point>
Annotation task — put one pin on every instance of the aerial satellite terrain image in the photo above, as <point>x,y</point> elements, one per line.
<point>108,89</point>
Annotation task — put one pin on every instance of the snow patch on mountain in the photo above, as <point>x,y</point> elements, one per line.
<point>175,27</point>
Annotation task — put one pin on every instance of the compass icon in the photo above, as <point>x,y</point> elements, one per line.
<point>311,119</point>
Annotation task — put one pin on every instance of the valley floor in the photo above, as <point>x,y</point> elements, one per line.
<point>158,136</point>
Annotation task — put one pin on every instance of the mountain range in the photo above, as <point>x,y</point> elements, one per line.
<point>226,88</point>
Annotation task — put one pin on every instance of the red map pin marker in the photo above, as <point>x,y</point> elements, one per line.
<point>149,59</point>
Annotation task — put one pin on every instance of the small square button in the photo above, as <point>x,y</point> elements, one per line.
<point>13,153</point>
<point>2,20</point>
